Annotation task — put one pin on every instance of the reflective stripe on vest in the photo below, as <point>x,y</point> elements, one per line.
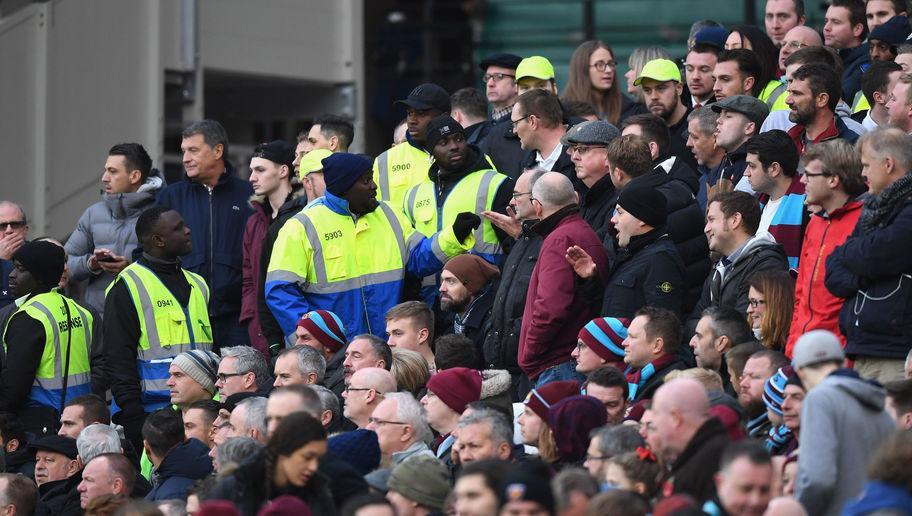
<point>50,309</point>
<point>398,169</point>
<point>474,193</point>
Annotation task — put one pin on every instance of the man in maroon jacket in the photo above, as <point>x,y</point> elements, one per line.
<point>556,308</point>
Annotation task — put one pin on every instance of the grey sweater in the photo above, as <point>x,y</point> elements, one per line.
<point>842,423</point>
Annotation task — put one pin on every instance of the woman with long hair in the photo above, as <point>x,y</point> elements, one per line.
<point>771,300</point>
<point>286,466</point>
<point>755,40</point>
<point>593,79</point>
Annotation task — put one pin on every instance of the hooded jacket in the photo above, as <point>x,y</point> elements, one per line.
<point>845,414</point>
<point>185,464</point>
<point>854,61</point>
<point>216,219</point>
<point>816,308</point>
<point>252,283</point>
<point>760,253</point>
<point>109,224</point>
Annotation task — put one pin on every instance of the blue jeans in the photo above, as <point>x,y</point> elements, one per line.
<point>563,371</point>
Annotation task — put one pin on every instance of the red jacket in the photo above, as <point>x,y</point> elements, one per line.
<point>815,307</point>
<point>556,308</point>
<point>254,233</point>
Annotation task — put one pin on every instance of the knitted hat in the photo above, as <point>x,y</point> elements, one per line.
<point>286,505</point>
<point>774,390</point>
<point>217,508</point>
<point>43,259</point>
<point>359,447</point>
<point>279,152</point>
<point>645,203</point>
<point>473,271</point>
<point>893,31</point>
<point>541,399</point>
<point>201,365</point>
<point>55,443</point>
<point>341,170</point>
<point>528,481</point>
<point>571,419</point>
<point>378,479</point>
<point>326,327</point>
<point>457,387</point>
<point>421,479</point>
<point>794,379</point>
<point>439,128</point>
<point>604,336</point>
<point>816,346</point>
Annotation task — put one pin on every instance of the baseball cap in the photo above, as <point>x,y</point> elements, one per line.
<point>502,60</point>
<point>817,346</point>
<point>427,96</point>
<point>313,161</point>
<point>535,66</point>
<point>591,132</point>
<point>659,70</point>
<point>754,109</point>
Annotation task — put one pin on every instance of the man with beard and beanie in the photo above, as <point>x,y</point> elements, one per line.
<point>349,253</point>
<point>156,310</point>
<point>47,341</point>
<point>647,270</point>
<point>58,473</point>
<point>406,164</point>
<point>460,180</point>
<point>467,293</point>
<point>814,92</point>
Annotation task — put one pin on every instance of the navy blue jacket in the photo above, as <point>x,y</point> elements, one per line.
<point>6,295</point>
<point>217,221</point>
<point>185,464</point>
<point>648,272</point>
<point>873,272</point>
<point>855,61</point>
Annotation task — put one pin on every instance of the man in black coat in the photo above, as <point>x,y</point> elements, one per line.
<point>467,295</point>
<point>587,145</point>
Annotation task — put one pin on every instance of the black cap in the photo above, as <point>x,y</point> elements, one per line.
<point>57,444</point>
<point>428,96</point>
<point>440,127</point>
<point>502,60</point>
<point>278,151</point>
<point>230,402</point>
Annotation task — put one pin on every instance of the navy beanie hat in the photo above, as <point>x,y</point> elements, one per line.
<point>360,448</point>
<point>341,170</point>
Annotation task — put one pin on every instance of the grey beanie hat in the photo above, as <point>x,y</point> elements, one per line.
<point>434,485</point>
<point>817,346</point>
<point>201,365</point>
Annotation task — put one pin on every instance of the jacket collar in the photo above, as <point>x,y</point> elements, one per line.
<point>640,241</point>
<point>549,223</point>
<point>798,133</point>
<point>600,190</point>
<point>852,205</point>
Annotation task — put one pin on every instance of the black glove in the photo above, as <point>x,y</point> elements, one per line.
<point>464,224</point>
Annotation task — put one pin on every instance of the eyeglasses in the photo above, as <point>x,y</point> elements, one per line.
<point>496,76</point>
<point>808,174</point>
<point>223,377</point>
<point>517,195</point>
<point>513,123</point>
<point>597,457</point>
<point>603,65</point>
<point>378,422</point>
<point>754,303</point>
<point>582,149</point>
<point>794,45</point>
<point>355,389</point>
<point>15,224</point>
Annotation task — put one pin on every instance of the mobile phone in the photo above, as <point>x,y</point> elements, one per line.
<point>107,258</point>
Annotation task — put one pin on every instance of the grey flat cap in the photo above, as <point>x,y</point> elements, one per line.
<point>595,132</point>
<point>753,108</point>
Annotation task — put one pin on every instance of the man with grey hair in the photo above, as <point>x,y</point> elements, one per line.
<point>289,399</point>
<point>331,416</point>
<point>213,202</point>
<point>701,140</point>
<point>555,308</point>
<point>606,442</point>
<point>502,340</point>
<point>248,419</point>
<point>13,231</point>
<point>869,270</point>
<point>18,494</point>
<point>242,369</point>
<point>573,488</point>
<point>366,350</point>
<point>402,429</point>
<point>483,434</point>
<point>299,365</point>
<point>98,439</point>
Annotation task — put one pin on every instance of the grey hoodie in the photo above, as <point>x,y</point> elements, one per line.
<point>842,423</point>
<point>110,224</point>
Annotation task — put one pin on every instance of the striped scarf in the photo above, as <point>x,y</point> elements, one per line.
<point>636,378</point>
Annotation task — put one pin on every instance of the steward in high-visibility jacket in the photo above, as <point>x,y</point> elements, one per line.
<point>154,311</point>
<point>46,341</point>
<point>461,179</point>
<point>405,165</point>
<point>348,253</point>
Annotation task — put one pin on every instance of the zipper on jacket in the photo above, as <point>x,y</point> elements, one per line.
<point>211,236</point>
<point>814,274</point>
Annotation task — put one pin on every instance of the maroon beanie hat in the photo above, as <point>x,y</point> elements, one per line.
<point>571,419</point>
<point>472,271</point>
<point>326,327</point>
<point>457,387</point>
<point>217,508</point>
<point>286,505</point>
<point>541,399</point>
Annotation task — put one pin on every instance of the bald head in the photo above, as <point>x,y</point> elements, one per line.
<point>804,34</point>
<point>375,378</point>
<point>553,191</point>
<point>784,506</point>
<point>679,408</point>
<point>686,396</point>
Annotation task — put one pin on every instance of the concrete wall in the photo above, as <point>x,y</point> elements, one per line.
<point>81,75</point>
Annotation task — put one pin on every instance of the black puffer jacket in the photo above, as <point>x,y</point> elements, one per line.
<point>685,227</point>
<point>597,205</point>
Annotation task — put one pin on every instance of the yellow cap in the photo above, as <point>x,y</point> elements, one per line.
<point>313,161</point>
<point>659,70</point>
<point>535,66</point>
